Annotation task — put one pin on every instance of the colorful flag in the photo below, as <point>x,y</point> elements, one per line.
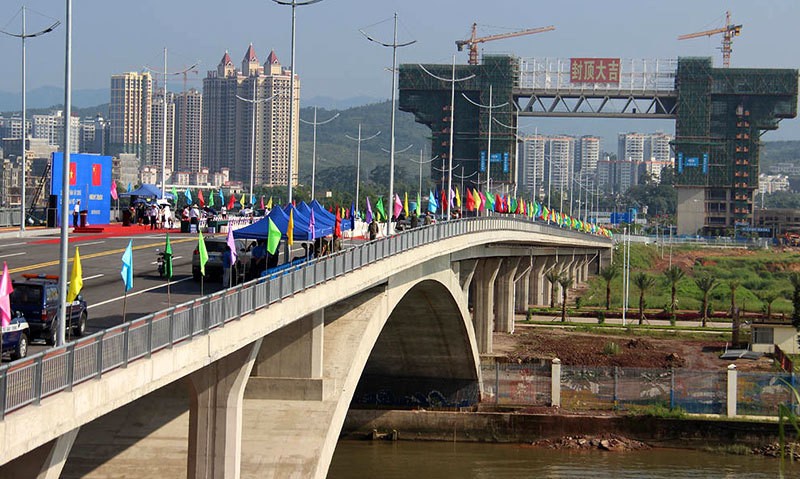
<point>188,195</point>
<point>127,267</point>
<point>129,187</point>
<point>337,225</point>
<point>269,203</point>
<point>352,216</point>
<point>174,195</point>
<point>168,257</point>
<point>211,199</point>
<point>405,202</point>
<point>241,201</point>
<point>232,245</point>
<point>489,201</point>
<point>432,206</point>
<point>75,278</point>
<point>261,206</point>
<point>478,202</point>
<point>252,199</point>
<point>458,198</point>
<point>369,212</point>
<point>200,199</point>
<point>311,225</point>
<point>5,297</point>
<point>114,194</point>
<point>380,210</point>
<point>290,228</point>
<point>221,197</point>
<point>201,249</point>
<point>398,206</point>
<point>273,237</point>
<point>231,202</point>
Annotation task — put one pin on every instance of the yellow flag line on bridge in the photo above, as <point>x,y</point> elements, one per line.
<point>93,255</point>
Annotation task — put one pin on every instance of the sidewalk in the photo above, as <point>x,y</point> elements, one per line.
<point>109,230</point>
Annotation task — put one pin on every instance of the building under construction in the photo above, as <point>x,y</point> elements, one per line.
<point>720,115</point>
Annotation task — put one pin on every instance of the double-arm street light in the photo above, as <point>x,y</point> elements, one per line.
<point>394,46</point>
<point>491,107</point>
<point>359,139</point>
<point>294,4</point>
<point>420,163</point>
<point>254,105</point>
<point>315,124</point>
<point>24,35</point>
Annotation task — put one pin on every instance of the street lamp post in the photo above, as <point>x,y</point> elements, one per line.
<point>491,106</point>
<point>64,236</point>
<point>294,4</point>
<point>452,81</point>
<point>394,46</point>
<point>314,148</point>
<point>254,105</point>
<point>422,162</point>
<point>358,158</point>
<point>24,35</point>
<point>462,176</point>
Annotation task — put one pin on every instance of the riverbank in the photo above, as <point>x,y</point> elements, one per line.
<point>554,430</point>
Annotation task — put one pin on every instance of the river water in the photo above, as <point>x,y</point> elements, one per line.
<point>403,459</point>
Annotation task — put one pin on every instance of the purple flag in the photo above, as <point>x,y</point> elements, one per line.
<point>311,225</point>
<point>232,244</point>
<point>369,211</point>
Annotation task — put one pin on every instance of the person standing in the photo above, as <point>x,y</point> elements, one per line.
<point>414,219</point>
<point>226,267</point>
<point>76,211</point>
<point>373,230</point>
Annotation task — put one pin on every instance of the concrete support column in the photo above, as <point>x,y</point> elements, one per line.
<point>522,285</point>
<point>483,314</point>
<point>585,269</point>
<point>466,270</point>
<point>504,295</point>
<point>555,383</point>
<point>566,266</point>
<point>44,462</point>
<point>536,295</point>
<point>294,351</point>
<point>216,393</point>
<point>732,390</point>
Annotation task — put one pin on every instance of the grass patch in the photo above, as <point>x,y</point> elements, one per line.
<point>657,410</point>
<point>611,348</point>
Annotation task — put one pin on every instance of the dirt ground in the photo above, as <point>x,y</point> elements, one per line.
<point>585,349</point>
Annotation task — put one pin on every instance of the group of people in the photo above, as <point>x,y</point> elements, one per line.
<point>153,215</point>
<point>401,223</point>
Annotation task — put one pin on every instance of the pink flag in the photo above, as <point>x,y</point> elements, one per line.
<point>5,297</point>
<point>232,244</point>
<point>398,205</point>
<point>114,189</point>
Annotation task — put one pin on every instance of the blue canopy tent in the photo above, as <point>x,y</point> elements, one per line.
<point>147,191</point>
<point>327,216</point>
<point>301,221</point>
<point>260,229</point>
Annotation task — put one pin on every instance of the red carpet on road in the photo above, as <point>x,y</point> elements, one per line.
<point>95,232</point>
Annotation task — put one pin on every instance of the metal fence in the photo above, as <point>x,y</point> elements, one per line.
<point>27,381</point>
<point>607,388</point>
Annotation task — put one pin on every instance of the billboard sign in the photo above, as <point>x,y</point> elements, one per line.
<point>501,158</point>
<point>89,181</point>
<point>594,70</point>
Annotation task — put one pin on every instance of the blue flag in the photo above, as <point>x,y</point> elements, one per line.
<point>221,197</point>
<point>431,202</point>
<point>129,187</point>
<point>188,195</point>
<point>352,216</point>
<point>252,200</point>
<point>127,267</point>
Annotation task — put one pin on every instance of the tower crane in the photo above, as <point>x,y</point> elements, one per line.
<point>473,41</point>
<point>728,32</point>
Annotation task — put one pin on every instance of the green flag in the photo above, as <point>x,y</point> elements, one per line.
<point>201,249</point>
<point>273,237</point>
<point>174,195</point>
<point>211,199</point>
<point>168,259</point>
<point>379,209</point>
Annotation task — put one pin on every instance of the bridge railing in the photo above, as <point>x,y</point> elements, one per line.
<point>28,381</point>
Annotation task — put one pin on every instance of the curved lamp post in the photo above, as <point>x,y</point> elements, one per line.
<point>254,102</point>
<point>314,148</point>
<point>358,158</point>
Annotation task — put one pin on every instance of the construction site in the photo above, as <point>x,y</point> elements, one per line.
<point>720,115</point>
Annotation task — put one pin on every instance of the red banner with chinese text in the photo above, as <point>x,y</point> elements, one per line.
<point>594,70</point>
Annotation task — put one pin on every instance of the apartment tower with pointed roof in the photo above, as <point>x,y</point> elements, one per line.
<point>227,121</point>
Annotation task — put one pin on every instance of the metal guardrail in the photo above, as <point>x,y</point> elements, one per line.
<point>27,381</point>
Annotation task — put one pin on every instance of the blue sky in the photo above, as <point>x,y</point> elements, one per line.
<point>334,60</point>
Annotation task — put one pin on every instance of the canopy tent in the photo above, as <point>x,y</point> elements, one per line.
<point>260,229</point>
<point>147,191</point>
<point>302,219</point>
<point>329,218</point>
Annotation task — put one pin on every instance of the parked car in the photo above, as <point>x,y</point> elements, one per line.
<point>37,299</point>
<point>16,337</point>
<point>215,247</point>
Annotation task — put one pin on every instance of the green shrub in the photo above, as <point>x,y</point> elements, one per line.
<point>611,348</point>
<point>601,317</point>
<point>578,303</point>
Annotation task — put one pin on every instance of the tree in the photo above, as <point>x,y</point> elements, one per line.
<point>566,283</point>
<point>645,283</point>
<point>552,276</point>
<point>608,274</point>
<point>794,278</point>
<point>706,284</point>
<point>673,274</point>
<point>733,285</point>
<point>768,297</point>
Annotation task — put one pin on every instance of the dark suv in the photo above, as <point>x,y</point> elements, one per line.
<point>37,299</point>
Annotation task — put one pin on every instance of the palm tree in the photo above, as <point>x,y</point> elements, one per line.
<point>794,278</point>
<point>553,276</point>
<point>608,274</point>
<point>673,275</point>
<point>644,282</point>
<point>768,297</point>
<point>733,285</point>
<point>705,283</point>
<point>566,283</point>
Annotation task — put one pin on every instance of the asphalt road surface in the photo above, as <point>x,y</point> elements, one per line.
<point>103,288</point>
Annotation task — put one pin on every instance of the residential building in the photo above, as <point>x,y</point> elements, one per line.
<point>157,132</point>
<point>531,169</point>
<point>560,165</point>
<point>768,184</point>
<point>130,114</point>
<point>188,130</point>
<point>51,128</point>
<point>125,170</point>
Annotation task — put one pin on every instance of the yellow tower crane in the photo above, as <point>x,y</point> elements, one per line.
<point>473,41</point>
<point>728,32</point>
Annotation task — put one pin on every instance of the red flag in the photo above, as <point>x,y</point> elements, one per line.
<point>261,206</point>
<point>200,199</point>
<point>337,228</point>
<point>444,202</point>
<point>498,203</point>
<point>231,201</point>
<point>470,201</point>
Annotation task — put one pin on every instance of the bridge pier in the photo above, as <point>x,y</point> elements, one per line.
<point>522,285</point>
<point>483,314</point>
<point>216,394</point>
<point>536,281</point>
<point>466,271</point>
<point>44,462</point>
<point>504,295</point>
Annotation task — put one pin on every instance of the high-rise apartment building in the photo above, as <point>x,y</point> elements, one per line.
<point>560,155</point>
<point>51,128</point>
<point>130,114</point>
<point>587,154</point>
<point>531,170</point>
<point>157,132</point>
<point>188,130</point>
<point>228,121</point>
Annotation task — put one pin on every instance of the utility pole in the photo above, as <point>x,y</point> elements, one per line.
<point>359,139</point>
<point>254,105</point>
<point>314,148</point>
<point>64,237</point>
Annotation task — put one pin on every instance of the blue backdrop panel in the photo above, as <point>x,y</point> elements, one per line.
<point>89,181</point>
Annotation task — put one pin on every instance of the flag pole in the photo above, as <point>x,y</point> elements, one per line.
<point>124,304</point>
<point>169,300</point>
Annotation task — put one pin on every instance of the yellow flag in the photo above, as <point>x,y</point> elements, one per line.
<point>75,278</point>
<point>477,197</point>
<point>269,203</point>
<point>405,203</point>
<point>458,198</point>
<point>290,229</point>
<point>241,200</point>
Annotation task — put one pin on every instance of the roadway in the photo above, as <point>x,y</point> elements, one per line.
<point>101,261</point>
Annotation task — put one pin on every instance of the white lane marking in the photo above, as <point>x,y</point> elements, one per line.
<point>137,293</point>
<point>90,277</point>
<point>13,254</point>
<point>90,243</point>
<point>15,244</point>
<point>156,262</point>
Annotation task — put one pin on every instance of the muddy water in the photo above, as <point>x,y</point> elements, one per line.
<point>386,460</point>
